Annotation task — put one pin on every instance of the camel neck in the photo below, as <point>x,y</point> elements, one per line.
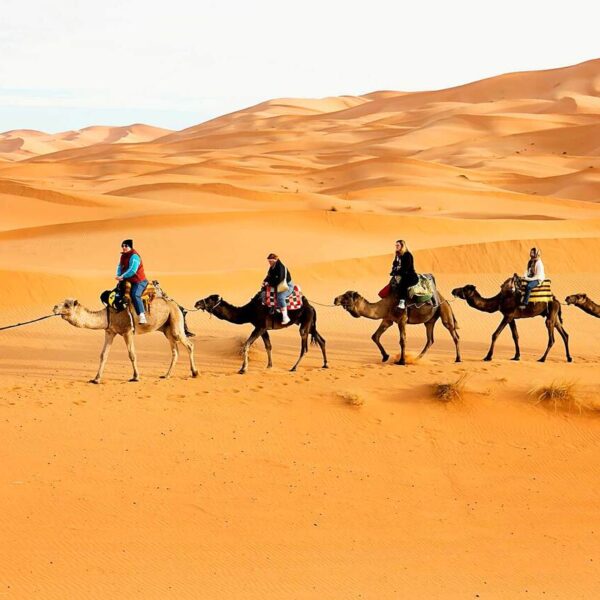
<point>88,319</point>
<point>484,304</point>
<point>591,308</point>
<point>234,314</point>
<point>374,310</point>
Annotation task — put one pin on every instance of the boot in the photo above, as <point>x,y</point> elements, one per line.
<point>284,316</point>
<point>402,304</point>
<point>142,319</point>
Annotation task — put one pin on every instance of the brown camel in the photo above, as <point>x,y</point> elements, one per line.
<point>164,315</point>
<point>259,315</point>
<point>584,303</point>
<point>386,310</point>
<point>508,304</point>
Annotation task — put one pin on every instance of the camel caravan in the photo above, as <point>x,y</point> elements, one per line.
<point>135,307</point>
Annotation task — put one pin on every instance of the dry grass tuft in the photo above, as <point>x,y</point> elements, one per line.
<point>450,392</point>
<point>559,395</point>
<point>352,399</point>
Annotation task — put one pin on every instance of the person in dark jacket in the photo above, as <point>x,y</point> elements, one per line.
<point>131,268</point>
<point>403,272</point>
<point>276,275</point>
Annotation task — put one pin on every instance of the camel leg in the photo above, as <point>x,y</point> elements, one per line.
<point>565,337</point>
<point>402,330</point>
<point>246,347</point>
<point>268,347</point>
<point>128,337</point>
<point>550,327</point>
<point>383,327</point>
<point>174,354</point>
<point>515,335</point>
<point>495,335</point>
<point>303,345</point>
<point>109,336</point>
<point>429,326</point>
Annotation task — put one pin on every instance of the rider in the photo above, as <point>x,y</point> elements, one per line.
<point>403,272</point>
<point>276,277</point>
<point>131,269</point>
<point>534,275</point>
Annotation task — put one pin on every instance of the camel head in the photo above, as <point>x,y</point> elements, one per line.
<point>348,301</point>
<point>67,308</point>
<point>576,299</point>
<point>464,293</point>
<point>209,303</point>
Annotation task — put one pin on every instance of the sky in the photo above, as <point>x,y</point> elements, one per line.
<point>69,64</point>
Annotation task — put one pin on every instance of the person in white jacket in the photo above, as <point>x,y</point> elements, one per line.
<point>534,275</point>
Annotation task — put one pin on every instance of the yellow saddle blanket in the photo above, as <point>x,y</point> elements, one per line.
<point>541,293</point>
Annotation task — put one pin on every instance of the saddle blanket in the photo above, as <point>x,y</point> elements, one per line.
<point>541,293</point>
<point>293,301</point>
<point>424,290</point>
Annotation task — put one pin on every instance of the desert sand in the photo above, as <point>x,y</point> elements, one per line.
<point>351,482</point>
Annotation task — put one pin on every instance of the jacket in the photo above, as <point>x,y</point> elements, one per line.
<point>276,274</point>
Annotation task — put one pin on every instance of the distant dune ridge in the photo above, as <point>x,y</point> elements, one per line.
<point>348,482</point>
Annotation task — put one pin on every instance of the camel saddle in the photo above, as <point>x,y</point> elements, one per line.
<point>293,301</point>
<point>147,295</point>
<point>540,293</point>
<point>424,290</point>
<point>120,297</point>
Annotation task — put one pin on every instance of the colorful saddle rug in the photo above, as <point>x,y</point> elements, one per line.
<point>541,293</point>
<point>293,301</point>
<point>423,290</point>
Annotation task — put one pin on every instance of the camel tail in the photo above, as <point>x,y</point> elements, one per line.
<point>559,312</point>
<point>314,335</point>
<point>184,312</point>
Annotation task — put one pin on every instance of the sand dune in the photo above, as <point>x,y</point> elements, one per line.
<point>20,144</point>
<point>348,482</point>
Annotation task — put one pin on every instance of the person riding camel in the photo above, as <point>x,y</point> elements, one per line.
<point>534,275</point>
<point>403,273</point>
<point>280,279</point>
<point>131,269</point>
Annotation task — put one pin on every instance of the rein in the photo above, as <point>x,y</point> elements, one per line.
<point>28,322</point>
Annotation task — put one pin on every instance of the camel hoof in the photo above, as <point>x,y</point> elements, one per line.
<point>269,366</point>
<point>517,358</point>
<point>293,370</point>
<point>541,360</point>
<point>385,358</point>
<point>487,359</point>
<point>458,360</point>
<point>95,381</point>
<point>325,366</point>
<point>402,363</point>
<point>134,380</point>
<point>194,373</point>
<point>241,372</point>
<point>570,359</point>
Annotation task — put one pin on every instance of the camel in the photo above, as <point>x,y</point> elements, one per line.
<point>386,310</point>
<point>164,315</point>
<point>584,303</point>
<point>508,304</point>
<point>260,316</point>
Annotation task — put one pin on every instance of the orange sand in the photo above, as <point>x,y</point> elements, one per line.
<point>273,485</point>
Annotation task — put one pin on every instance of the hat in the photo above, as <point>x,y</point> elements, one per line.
<point>272,256</point>
<point>127,243</point>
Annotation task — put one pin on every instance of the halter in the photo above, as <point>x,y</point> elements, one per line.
<point>211,310</point>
